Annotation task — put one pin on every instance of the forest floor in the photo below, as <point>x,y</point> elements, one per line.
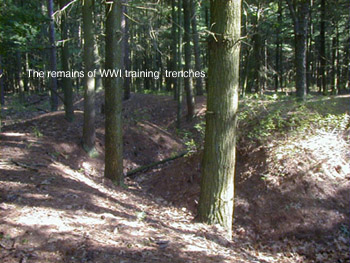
<point>291,198</point>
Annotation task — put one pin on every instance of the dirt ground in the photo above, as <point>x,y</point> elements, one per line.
<point>57,207</point>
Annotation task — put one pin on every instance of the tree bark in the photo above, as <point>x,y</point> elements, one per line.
<point>179,67</point>
<point>218,166</point>
<point>19,79</point>
<point>89,134</point>
<point>174,54</point>
<point>127,61</point>
<point>187,40</point>
<point>323,48</point>
<point>67,82</point>
<point>278,48</point>
<point>300,14</point>
<point>197,51</point>
<point>114,95</point>
<point>53,57</point>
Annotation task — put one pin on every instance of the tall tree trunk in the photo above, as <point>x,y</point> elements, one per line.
<point>187,39</point>
<point>174,58</point>
<point>280,69</point>
<point>300,14</point>
<point>179,67</point>
<point>218,166</point>
<point>53,58</point>
<point>89,134</point>
<point>127,60</point>
<point>197,51</point>
<point>323,47</point>
<point>278,48</point>
<point>114,95</point>
<point>310,51</point>
<point>98,21</point>
<point>67,82</point>
<point>334,66</point>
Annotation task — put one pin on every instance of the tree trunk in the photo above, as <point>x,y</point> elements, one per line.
<point>113,95</point>
<point>278,48</point>
<point>323,48</point>
<point>127,61</point>
<point>89,134</point>
<point>218,167</point>
<point>188,81</point>
<point>187,39</point>
<point>2,89</point>
<point>67,82</point>
<point>197,51</point>
<point>19,77</point>
<point>174,46</point>
<point>300,14</point>
<point>179,67</point>
<point>280,69</point>
<point>53,58</point>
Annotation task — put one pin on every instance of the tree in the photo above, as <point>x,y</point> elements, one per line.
<point>126,52</point>
<point>218,165</point>
<point>197,52</point>
<point>53,57</point>
<point>299,11</point>
<point>179,66</point>
<point>188,58</point>
<point>89,133</point>
<point>67,82</point>
<point>323,86</point>
<point>114,95</point>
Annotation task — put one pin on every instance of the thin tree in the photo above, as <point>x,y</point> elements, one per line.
<point>299,11</point>
<point>322,53</point>
<point>196,47</point>
<point>218,165</point>
<point>53,57</point>
<point>114,95</point>
<point>89,134</point>
<point>179,66</point>
<point>67,82</point>
<point>127,51</point>
<point>188,58</point>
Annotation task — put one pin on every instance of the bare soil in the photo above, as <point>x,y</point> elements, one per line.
<point>57,207</point>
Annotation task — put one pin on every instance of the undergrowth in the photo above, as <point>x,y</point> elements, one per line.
<point>309,137</point>
<point>266,118</point>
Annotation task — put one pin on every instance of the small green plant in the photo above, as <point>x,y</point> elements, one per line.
<point>37,132</point>
<point>200,127</point>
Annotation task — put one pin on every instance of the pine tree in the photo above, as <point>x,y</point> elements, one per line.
<point>218,165</point>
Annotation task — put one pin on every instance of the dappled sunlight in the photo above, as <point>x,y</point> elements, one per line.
<point>14,134</point>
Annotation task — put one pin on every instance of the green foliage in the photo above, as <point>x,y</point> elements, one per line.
<point>200,127</point>
<point>37,132</point>
<point>263,118</point>
<point>19,25</point>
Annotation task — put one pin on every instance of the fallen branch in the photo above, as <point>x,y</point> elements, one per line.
<point>148,166</point>
<point>23,165</point>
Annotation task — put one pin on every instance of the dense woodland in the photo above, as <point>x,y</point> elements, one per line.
<point>224,137</point>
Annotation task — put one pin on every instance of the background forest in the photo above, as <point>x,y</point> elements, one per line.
<point>102,169</point>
